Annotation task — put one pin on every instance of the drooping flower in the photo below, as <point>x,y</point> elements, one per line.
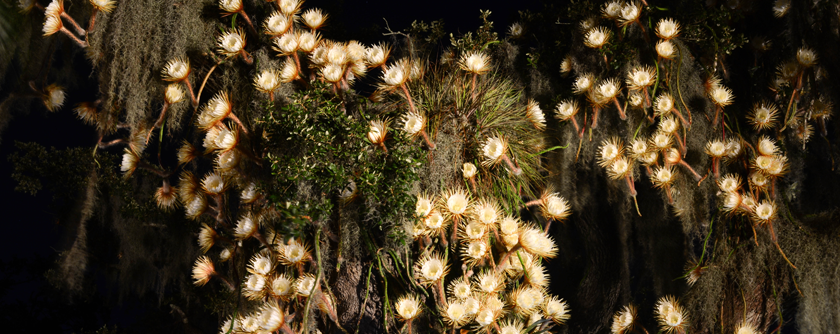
<point>781,7</point>
<point>493,149</point>
<point>535,115</point>
<point>556,309</point>
<point>583,83</point>
<point>52,25</point>
<point>245,227</point>
<point>203,270</point>
<point>624,320</point>
<point>413,123</point>
<point>54,97</point>
<point>537,242</point>
<point>377,55</point>
<point>395,74</point>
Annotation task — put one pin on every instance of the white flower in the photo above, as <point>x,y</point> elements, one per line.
<point>230,6</point>
<point>231,43</point>
<point>304,285</point>
<point>538,243</point>
<point>630,13</point>
<point>583,83</point>
<point>176,70</point>
<point>289,71</point>
<point>485,317</point>
<point>289,7</point>
<point>555,207</point>
<point>664,104</point>
<point>267,81</point>
<point>423,206</point>
<point>476,249</point>
<point>781,7</point>
<point>286,44</point>
<point>640,77</point>
<point>213,183</point>
<point>378,131</point>
<point>515,30</point>
<point>432,269</point>
<point>261,264</point>
<point>129,162</point>
<point>245,227</point>
<point>394,74</point>
<point>509,225</point>
<point>493,149</point>
<point>612,9</point>
<point>597,37</point>
<point>255,283</point>
<point>271,318</point>
<point>249,194</point>
<point>469,170</point>
<point>196,206</point>
<point>668,124</point>
<point>314,18</point>
<point>566,109</point>
<point>307,41</point>
<point>173,94</point>
<point>535,115</point>
<point>52,24</point>
<point>434,221</point>
<point>716,148</point>
<point>457,202</point>
<point>667,28</point>
<point>806,57</point>
<point>281,285</point>
<point>721,96</point>
<point>456,313</point>
<point>277,24</point>
<point>475,62</point>
<point>413,123</point>
<point>377,55</point>
<point>665,49</point>
<point>332,72</point>
<point>55,97</point>
<point>408,307</point>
